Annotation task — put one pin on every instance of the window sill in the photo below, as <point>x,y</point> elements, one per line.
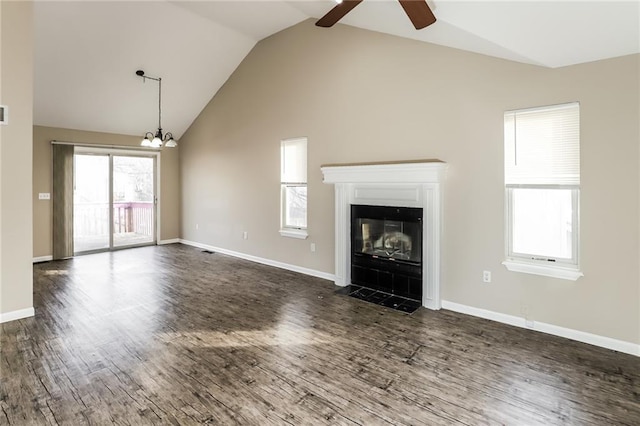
<point>300,234</point>
<point>544,270</point>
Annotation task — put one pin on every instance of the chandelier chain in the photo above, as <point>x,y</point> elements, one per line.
<point>159,103</point>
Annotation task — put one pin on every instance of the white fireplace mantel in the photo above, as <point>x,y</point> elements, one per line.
<point>399,184</point>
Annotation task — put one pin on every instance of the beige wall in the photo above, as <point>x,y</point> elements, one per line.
<point>42,177</point>
<point>364,96</point>
<point>16,280</point>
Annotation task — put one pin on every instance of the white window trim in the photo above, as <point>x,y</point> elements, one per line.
<point>543,270</point>
<point>568,269</point>
<point>300,234</point>
<point>290,231</point>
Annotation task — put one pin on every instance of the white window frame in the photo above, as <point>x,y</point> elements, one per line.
<point>299,232</point>
<point>549,266</point>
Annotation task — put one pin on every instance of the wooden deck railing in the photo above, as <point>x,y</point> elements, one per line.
<point>131,217</point>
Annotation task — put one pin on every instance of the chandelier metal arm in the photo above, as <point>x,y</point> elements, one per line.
<point>149,139</point>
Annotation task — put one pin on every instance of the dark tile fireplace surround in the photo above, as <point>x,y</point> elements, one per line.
<point>386,256</point>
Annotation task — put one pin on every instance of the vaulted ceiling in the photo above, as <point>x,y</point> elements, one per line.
<point>87,52</point>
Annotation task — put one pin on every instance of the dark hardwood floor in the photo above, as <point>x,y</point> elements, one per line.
<point>172,335</point>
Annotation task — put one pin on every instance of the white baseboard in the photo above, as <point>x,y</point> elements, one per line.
<point>171,241</point>
<point>580,336</point>
<point>269,262</point>
<point>49,258</point>
<point>16,315</point>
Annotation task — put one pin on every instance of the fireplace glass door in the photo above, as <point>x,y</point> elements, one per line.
<point>392,239</point>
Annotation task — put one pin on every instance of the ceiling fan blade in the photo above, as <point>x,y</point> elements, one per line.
<point>419,12</point>
<point>337,13</point>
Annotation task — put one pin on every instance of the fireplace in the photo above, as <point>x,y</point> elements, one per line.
<point>415,185</point>
<point>386,249</point>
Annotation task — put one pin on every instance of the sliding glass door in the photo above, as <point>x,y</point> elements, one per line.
<point>91,199</point>
<point>133,201</point>
<point>114,201</point>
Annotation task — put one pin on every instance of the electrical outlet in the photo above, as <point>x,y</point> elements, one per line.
<point>313,247</point>
<point>486,276</point>
<point>197,226</point>
<point>245,235</point>
<point>44,196</point>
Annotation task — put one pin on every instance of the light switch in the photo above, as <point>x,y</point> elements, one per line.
<point>44,196</point>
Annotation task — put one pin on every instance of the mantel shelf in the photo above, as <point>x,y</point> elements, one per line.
<point>421,171</point>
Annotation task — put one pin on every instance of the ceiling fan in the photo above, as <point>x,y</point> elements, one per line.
<point>417,10</point>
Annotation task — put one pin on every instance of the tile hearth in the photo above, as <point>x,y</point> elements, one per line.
<point>380,298</point>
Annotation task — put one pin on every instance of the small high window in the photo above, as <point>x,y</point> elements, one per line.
<point>293,182</point>
<point>542,183</point>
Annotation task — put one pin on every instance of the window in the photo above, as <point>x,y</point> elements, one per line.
<point>293,182</point>
<point>542,181</point>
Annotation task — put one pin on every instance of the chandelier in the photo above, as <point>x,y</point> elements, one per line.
<point>157,140</point>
